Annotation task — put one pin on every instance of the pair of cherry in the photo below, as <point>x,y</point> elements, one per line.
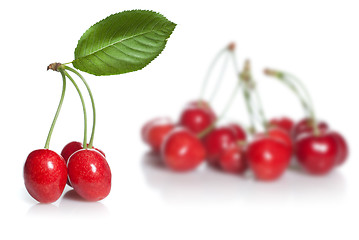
<point>317,152</point>
<point>86,170</point>
<point>82,167</point>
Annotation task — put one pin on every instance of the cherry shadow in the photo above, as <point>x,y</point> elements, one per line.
<point>210,184</point>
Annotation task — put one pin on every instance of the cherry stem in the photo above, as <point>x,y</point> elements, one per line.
<point>92,102</point>
<point>224,112</point>
<point>306,101</point>
<point>260,109</point>
<point>209,71</point>
<point>294,89</point>
<point>244,77</point>
<point>219,80</point>
<point>47,144</point>
<point>83,106</point>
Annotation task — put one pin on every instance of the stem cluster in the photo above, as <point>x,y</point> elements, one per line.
<point>63,69</point>
<point>296,86</point>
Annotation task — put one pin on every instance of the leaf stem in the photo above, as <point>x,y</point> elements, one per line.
<point>92,102</point>
<point>83,106</point>
<point>47,144</point>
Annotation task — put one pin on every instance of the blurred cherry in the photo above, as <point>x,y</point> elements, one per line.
<point>182,150</point>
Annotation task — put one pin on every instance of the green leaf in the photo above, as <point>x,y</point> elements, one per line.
<point>123,42</point>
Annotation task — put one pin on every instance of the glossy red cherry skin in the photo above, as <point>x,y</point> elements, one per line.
<point>218,140</point>
<point>155,131</point>
<point>343,147</point>
<point>233,159</point>
<point>89,174</point>
<point>182,150</point>
<point>197,117</point>
<point>72,147</point>
<point>202,104</point>
<point>306,126</point>
<point>45,175</point>
<point>279,134</point>
<point>282,122</point>
<point>268,157</point>
<point>239,132</point>
<point>317,154</point>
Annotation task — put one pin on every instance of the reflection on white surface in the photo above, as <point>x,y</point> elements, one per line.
<point>71,205</point>
<point>206,185</point>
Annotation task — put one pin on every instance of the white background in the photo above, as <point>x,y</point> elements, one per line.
<point>315,40</point>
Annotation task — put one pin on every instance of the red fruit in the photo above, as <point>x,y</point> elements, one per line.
<point>218,140</point>
<point>74,146</point>
<point>239,132</point>
<point>197,116</point>
<point>343,147</point>
<point>69,149</point>
<point>279,134</point>
<point>89,174</point>
<point>306,126</point>
<point>282,122</point>
<point>182,150</point>
<point>202,104</point>
<point>317,154</point>
<point>155,131</point>
<point>233,159</point>
<point>268,157</point>
<point>45,175</point>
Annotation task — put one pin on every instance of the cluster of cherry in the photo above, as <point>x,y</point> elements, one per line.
<point>197,137</point>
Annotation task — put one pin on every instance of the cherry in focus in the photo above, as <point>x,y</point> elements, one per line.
<point>197,116</point>
<point>268,157</point>
<point>73,147</point>
<point>154,132</point>
<point>89,174</point>
<point>182,150</point>
<point>45,175</point>
<point>317,154</point>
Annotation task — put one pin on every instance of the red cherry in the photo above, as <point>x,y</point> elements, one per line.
<point>197,116</point>
<point>155,131</point>
<point>282,122</point>
<point>233,159</point>
<point>317,154</point>
<point>89,174</point>
<point>74,146</point>
<point>268,157</point>
<point>279,134</point>
<point>202,104</point>
<point>343,147</point>
<point>69,149</point>
<point>217,141</point>
<point>239,132</point>
<point>182,150</point>
<point>45,175</point>
<point>306,125</point>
